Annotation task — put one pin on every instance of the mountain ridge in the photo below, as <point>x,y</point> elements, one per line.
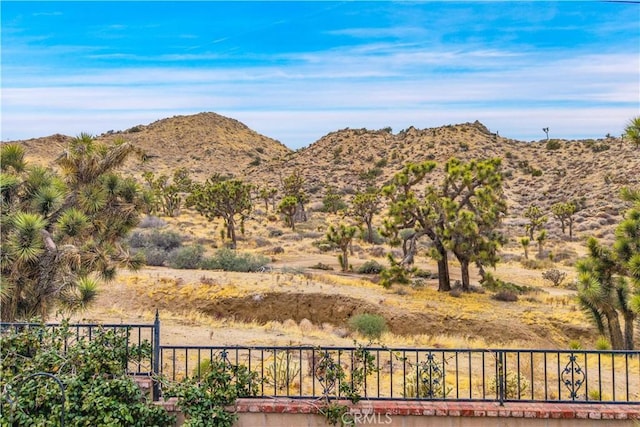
<point>542,172</point>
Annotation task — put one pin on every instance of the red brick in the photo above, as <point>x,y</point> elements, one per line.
<point>595,415</point>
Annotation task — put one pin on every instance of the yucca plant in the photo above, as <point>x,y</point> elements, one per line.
<point>61,234</point>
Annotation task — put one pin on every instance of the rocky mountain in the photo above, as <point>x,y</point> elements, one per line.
<point>542,173</point>
<point>206,143</point>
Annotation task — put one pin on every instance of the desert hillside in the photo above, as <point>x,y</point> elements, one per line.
<point>303,298</point>
<point>541,172</point>
<point>206,143</point>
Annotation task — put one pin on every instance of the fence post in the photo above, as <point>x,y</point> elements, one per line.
<point>156,356</point>
<point>500,381</point>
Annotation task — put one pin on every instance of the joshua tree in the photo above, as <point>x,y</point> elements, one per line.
<point>546,131</point>
<point>226,199</point>
<point>289,207</point>
<point>60,234</point>
<point>632,131</point>
<point>525,241</point>
<point>564,213</point>
<point>605,296</point>
<point>293,186</point>
<point>363,207</point>
<point>342,237</point>
<point>536,218</point>
<point>457,213</point>
<point>541,238</point>
<point>267,194</point>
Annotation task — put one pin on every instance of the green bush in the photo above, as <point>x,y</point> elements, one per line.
<point>155,245</point>
<point>494,284</point>
<point>602,343</point>
<point>321,266</point>
<point>166,240</point>
<point>553,144</point>
<point>155,256</point>
<point>98,391</point>
<point>507,296</point>
<point>204,399</point>
<point>371,326</point>
<point>229,260</point>
<point>186,257</point>
<point>514,385</point>
<point>370,267</point>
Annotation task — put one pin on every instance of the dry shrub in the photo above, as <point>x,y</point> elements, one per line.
<point>507,296</point>
<point>306,326</point>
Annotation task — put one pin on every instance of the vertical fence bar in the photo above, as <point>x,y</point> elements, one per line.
<point>500,381</point>
<point>155,362</point>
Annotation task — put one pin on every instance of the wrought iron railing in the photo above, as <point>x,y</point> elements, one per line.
<point>135,335</point>
<point>500,375</point>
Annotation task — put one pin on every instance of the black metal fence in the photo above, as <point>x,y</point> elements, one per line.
<point>135,335</point>
<point>433,374</point>
<point>500,375</point>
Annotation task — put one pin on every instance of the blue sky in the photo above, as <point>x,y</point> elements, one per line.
<point>296,71</point>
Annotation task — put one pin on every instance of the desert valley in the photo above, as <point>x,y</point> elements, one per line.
<point>300,294</point>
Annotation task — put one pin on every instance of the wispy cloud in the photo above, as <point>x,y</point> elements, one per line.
<point>504,70</point>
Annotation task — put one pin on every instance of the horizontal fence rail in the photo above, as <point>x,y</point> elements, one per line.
<point>502,375</point>
<point>426,374</point>
<point>135,335</point>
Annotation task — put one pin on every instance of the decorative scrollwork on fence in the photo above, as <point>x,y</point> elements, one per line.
<point>427,381</point>
<point>573,376</point>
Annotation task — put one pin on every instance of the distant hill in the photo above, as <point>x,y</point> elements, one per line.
<point>541,172</point>
<point>350,159</point>
<point>206,143</point>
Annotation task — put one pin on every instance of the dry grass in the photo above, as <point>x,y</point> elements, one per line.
<point>206,306</point>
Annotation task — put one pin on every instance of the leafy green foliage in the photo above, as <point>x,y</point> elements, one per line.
<point>230,260</point>
<point>369,325</point>
<point>553,144</point>
<point>186,257</point>
<point>203,400</point>
<point>370,267</point>
<point>98,391</point>
<point>395,273</point>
